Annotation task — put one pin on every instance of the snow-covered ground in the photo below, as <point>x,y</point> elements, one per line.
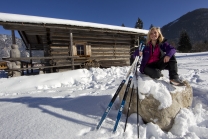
<point>69,105</point>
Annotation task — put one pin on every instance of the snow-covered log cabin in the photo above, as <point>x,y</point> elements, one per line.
<point>69,44</point>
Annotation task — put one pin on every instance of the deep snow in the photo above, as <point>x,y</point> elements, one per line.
<point>69,105</point>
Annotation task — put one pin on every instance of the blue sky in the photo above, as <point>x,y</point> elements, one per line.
<point>112,12</point>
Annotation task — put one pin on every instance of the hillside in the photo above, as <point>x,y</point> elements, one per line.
<point>195,23</point>
<point>5,47</point>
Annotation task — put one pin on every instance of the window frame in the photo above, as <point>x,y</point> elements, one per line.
<point>82,51</point>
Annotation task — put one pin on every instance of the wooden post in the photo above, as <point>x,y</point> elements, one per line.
<point>31,64</point>
<point>27,67</point>
<point>71,49</point>
<point>13,37</point>
<point>46,61</point>
<point>22,72</point>
<point>47,50</point>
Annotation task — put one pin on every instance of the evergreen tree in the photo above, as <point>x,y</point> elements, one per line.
<point>123,25</point>
<point>184,42</point>
<point>151,26</point>
<point>139,24</point>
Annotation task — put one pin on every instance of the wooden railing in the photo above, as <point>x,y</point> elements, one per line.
<point>62,62</point>
<point>25,61</point>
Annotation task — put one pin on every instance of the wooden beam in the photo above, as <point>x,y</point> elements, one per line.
<point>19,26</point>
<point>13,37</point>
<point>42,67</point>
<point>90,41</point>
<point>86,38</point>
<point>105,47</point>
<point>59,52</point>
<point>82,34</point>
<point>110,51</point>
<point>115,53</point>
<point>38,39</point>
<point>64,48</point>
<point>38,58</point>
<point>24,38</point>
<point>30,55</point>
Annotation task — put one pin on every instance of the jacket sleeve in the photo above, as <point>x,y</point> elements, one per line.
<point>136,53</point>
<point>145,58</point>
<point>168,49</point>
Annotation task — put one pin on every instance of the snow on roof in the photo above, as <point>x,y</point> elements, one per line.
<point>7,17</point>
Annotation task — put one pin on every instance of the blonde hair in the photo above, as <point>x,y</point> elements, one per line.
<point>160,38</point>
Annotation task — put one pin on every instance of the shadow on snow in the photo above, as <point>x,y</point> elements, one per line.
<point>85,105</point>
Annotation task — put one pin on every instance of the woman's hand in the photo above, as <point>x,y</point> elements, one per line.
<point>140,53</point>
<point>166,59</point>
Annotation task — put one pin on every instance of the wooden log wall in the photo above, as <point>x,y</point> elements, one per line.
<point>118,53</point>
<point>102,47</point>
<point>109,47</point>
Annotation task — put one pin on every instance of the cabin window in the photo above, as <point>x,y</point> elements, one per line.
<point>80,49</point>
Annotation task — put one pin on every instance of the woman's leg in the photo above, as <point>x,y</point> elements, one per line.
<point>171,66</point>
<point>152,71</point>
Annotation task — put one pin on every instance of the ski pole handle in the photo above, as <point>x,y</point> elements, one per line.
<point>141,47</point>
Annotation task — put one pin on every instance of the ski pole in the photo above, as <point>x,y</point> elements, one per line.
<point>130,84</point>
<point>115,95</point>
<point>137,113</point>
<point>128,108</point>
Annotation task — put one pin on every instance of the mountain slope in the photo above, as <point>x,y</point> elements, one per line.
<point>5,47</point>
<point>195,23</point>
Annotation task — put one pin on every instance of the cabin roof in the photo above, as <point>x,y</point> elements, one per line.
<point>7,17</point>
<point>38,32</point>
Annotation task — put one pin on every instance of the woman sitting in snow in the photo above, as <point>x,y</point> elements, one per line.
<point>159,55</point>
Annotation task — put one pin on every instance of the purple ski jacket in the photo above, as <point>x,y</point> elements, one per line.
<point>165,50</point>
